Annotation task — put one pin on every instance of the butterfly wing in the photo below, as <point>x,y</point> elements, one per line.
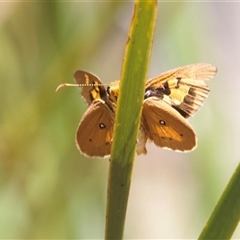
<point>95,131</point>
<point>92,90</point>
<point>183,88</point>
<point>166,127</point>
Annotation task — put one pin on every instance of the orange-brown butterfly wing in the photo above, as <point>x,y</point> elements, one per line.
<point>95,131</point>
<point>183,88</point>
<point>92,90</point>
<point>166,127</point>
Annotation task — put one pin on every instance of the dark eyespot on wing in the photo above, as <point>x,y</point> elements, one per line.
<point>162,122</point>
<point>102,125</point>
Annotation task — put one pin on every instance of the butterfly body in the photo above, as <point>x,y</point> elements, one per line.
<point>169,99</point>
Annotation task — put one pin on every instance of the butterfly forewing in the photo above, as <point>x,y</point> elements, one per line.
<point>92,87</point>
<point>95,131</point>
<point>166,127</point>
<point>199,71</point>
<point>183,88</point>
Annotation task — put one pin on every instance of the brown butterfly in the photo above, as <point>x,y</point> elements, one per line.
<point>169,99</point>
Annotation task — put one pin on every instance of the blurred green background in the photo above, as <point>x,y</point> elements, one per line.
<point>47,188</point>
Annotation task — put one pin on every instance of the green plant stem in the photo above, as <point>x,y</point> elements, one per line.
<point>131,92</point>
<point>226,215</point>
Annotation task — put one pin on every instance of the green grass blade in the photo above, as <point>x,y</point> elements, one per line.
<point>226,215</point>
<point>131,92</point>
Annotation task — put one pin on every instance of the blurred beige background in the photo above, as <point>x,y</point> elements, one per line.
<point>49,190</point>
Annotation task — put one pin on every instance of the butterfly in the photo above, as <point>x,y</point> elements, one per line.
<point>170,98</point>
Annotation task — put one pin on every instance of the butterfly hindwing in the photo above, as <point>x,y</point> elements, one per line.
<point>166,127</point>
<point>95,131</point>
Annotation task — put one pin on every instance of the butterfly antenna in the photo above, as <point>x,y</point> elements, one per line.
<point>78,85</point>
